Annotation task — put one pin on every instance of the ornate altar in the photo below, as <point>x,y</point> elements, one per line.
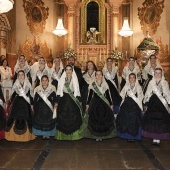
<point>35,49</point>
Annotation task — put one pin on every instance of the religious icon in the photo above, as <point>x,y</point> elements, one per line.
<point>92,35</point>
<point>36,14</point>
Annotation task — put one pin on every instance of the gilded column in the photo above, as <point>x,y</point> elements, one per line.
<point>71,10</point>
<point>115,4</point>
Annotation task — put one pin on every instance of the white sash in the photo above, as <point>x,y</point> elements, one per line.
<point>22,93</point>
<point>44,97</point>
<point>162,99</point>
<point>131,94</point>
<point>55,76</point>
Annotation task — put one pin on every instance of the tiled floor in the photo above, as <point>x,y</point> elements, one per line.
<point>86,154</point>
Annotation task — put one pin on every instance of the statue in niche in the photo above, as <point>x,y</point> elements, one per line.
<point>92,35</point>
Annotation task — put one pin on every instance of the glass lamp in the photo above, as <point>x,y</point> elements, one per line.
<point>6,5</point>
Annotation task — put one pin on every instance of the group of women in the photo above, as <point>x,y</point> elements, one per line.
<point>59,102</point>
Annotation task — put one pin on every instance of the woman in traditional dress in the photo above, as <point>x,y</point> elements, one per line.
<point>156,120</point>
<point>19,121</point>
<point>22,64</point>
<point>42,70</point>
<point>44,122</point>
<point>99,120</point>
<point>69,111</point>
<point>56,71</point>
<point>129,118</point>
<point>88,78</point>
<point>2,116</point>
<point>148,71</point>
<point>111,77</point>
<point>131,67</point>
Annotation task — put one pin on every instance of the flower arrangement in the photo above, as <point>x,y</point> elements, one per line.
<point>116,55</point>
<point>69,53</point>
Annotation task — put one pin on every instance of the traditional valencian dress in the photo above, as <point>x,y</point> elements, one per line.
<point>112,81</point>
<point>19,121</point>
<point>127,71</point>
<point>55,75</point>
<point>156,120</point>
<point>99,119</point>
<point>88,79</point>
<point>44,121</point>
<point>148,73</point>
<point>2,116</point>
<point>69,111</point>
<point>129,118</point>
<point>39,74</point>
<point>26,69</point>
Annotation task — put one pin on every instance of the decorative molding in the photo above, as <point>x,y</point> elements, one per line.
<point>36,15</point>
<point>150,15</point>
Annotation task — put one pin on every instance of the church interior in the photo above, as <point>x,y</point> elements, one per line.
<point>90,30</point>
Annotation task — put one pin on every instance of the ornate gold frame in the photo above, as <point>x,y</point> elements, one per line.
<point>102,19</point>
<point>36,15</point>
<point>150,15</point>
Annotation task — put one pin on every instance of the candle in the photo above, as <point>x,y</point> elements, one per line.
<point>86,55</point>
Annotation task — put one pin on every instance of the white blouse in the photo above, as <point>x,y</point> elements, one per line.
<point>6,73</point>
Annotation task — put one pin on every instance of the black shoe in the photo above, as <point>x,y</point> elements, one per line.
<point>155,143</point>
<point>131,141</point>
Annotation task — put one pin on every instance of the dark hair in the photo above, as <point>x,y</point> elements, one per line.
<point>45,76</point>
<point>42,58</point>
<point>158,68</point>
<point>153,55</point>
<point>132,74</point>
<point>71,57</point>
<point>21,71</point>
<point>109,58</point>
<point>68,65</point>
<point>94,66</point>
<point>2,62</point>
<point>98,71</point>
<point>132,58</point>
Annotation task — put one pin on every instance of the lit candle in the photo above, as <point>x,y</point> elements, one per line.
<point>86,55</point>
<point>126,54</point>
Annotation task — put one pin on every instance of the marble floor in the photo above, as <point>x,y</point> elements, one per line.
<point>86,154</point>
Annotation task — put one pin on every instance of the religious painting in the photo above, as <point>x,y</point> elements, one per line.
<point>36,15</point>
<point>150,15</point>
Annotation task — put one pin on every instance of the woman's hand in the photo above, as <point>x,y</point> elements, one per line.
<point>112,107</point>
<point>56,105</point>
<point>87,107</point>
<point>169,110</point>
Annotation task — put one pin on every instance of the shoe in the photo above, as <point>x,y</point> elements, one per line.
<point>100,140</point>
<point>46,137</point>
<point>156,142</point>
<point>97,140</point>
<point>131,141</point>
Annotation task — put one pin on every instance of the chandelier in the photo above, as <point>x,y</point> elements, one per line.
<point>60,30</point>
<point>125,31</point>
<point>6,5</point>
